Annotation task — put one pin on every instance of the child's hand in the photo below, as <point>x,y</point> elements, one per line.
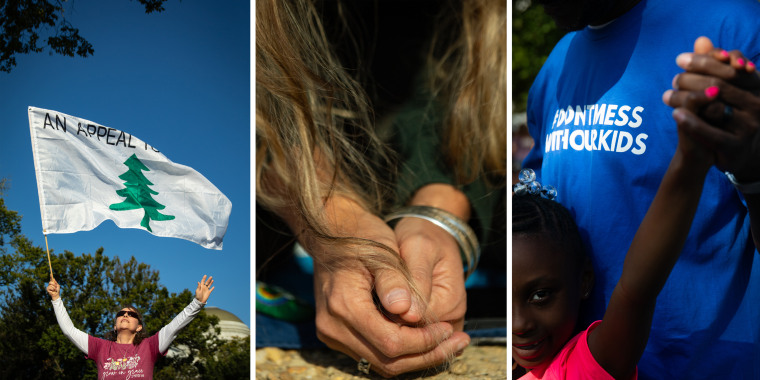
<point>735,58</point>
<point>692,147</point>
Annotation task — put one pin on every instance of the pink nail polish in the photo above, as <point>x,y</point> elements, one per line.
<point>724,53</point>
<point>740,62</point>
<point>751,65</point>
<point>712,91</point>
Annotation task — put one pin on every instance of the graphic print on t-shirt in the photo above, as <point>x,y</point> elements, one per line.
<point>604,127</point>
<point>122,366</point>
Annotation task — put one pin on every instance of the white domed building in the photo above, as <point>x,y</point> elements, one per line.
<point>230,327</point>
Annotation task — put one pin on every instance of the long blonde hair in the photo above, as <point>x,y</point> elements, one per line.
<point>468,75</point>
<point>315,135</point>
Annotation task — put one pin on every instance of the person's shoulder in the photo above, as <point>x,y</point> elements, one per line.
<point>702,15</point>
<point>575,360</point>
<point>149,343</point>
<point>562,46</point>
<point>725,22</point>
<point>731,19</point>
<point>732,5</point>
<point>723,14</point>
<point>95,343</point>
<point>555,61</point>
<point>716,6</point>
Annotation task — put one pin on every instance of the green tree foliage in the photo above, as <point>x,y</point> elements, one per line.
<point>231,360</point>
<point>24,23</point>
<point>93,288</point>
<point>534,34</point>
<point>10,224</point>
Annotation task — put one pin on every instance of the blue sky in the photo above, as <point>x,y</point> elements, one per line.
<point>178,80</point>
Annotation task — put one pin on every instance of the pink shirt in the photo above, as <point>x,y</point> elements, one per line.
<point>573,362</point>
<point>117,361</point>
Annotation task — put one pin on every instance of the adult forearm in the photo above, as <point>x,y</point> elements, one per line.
<point>445,197</point>
<point>168,333</point>
<point>76,336</point>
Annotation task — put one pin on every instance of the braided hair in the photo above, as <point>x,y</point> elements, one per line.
<point>536,217</point>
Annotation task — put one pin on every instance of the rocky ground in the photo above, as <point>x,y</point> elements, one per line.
<point>483,362</point>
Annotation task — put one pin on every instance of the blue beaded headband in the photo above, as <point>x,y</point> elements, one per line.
<point>529,186</point>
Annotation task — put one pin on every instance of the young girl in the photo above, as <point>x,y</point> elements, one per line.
<point>552,275</point>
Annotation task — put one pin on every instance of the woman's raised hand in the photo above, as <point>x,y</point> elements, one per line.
<point>54,289</point>
<point>204,289</point>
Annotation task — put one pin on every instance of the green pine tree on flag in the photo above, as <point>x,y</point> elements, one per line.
<point>138,194</point>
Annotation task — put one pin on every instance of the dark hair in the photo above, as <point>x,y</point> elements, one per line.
<point>112,334</point>
<point>535,216</point>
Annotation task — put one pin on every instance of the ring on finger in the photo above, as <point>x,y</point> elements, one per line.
<point>363,366</point>
<point>728,113</point>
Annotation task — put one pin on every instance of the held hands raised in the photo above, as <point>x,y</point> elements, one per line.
<point>716,101</point>
<point>204,289</point>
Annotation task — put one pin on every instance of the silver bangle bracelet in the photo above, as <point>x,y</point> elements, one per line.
<point>745,188</point>
<point>457,228</point>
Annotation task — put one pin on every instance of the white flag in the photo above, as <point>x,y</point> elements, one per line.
<point>88,173</point>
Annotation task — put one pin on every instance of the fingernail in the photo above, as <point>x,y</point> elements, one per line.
<point>740,62</point>
<point>724,53</point>
<point>678,115</point>
<point>683,59</point>
<point>462,345</point>
<point>712,91</point>
<point>751,65</point>
<point>396,295</point>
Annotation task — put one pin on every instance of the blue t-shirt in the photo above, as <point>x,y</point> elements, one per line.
<point>604,138</point>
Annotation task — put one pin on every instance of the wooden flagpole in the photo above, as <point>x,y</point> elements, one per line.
<point>36,173</point>
<point>48,256</point>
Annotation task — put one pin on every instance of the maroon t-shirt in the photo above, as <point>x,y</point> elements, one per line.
<point>118,361</point>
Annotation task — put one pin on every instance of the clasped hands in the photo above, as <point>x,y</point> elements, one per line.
<point>716,102</point>
<point>389,335</point>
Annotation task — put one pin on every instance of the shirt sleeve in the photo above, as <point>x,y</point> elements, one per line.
<point>76,336</point>
<point>418,143</point>
<point>417,139</point>
<point>168,333</point>
<point>575,361</point>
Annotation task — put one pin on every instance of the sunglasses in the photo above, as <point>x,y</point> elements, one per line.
<point>129,313</point>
